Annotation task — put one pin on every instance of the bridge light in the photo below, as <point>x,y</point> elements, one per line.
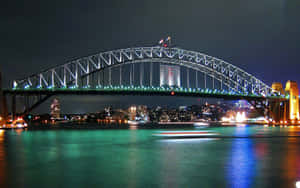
<point>15,84</point>
<point>172,93</point>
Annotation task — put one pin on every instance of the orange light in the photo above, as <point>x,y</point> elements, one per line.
<point>281,121</point>
<point>172,93</point>
<point>285,122</point>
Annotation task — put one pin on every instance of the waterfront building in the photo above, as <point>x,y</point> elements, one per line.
<point>55,109</point>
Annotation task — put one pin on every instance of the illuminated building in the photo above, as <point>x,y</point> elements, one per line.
<point>132,112</point>
<point>55,109</point>
<point>292,89</point>
<point>169,75</point>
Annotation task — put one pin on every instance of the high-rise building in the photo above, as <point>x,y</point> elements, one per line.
<point>169,75</point>
<point>55,109</point>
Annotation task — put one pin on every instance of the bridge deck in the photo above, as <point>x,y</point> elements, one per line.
<point>142,92</point>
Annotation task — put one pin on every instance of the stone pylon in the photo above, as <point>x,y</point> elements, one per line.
<point>291,88</point>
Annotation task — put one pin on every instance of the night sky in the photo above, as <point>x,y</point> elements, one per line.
<point>259,36</point>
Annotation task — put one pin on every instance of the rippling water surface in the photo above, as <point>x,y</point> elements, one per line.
<point>242,157</point>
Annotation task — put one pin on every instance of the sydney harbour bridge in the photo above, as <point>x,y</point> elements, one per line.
<point>149,71</point>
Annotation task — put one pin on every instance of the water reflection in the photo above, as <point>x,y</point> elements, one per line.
<point>133,158</point>
<point>187,140</point>
<point>291,160</point>
<point>3,166</point>
<point>242,164</point>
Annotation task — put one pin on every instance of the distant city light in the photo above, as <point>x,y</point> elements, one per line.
<point>240,117</point>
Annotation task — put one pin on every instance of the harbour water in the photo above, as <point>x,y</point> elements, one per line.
<point>247,156</point>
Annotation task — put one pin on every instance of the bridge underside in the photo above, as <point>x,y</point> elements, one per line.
<point>41,96</point>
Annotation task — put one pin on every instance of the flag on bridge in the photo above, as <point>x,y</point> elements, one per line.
<point>161,41</point>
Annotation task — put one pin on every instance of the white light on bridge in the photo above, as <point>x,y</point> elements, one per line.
<point>169,75</point>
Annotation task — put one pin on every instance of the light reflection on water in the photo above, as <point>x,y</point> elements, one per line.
<point>134,158</point>
<point>3,169</point>
<point>187,140</point>
<point>241,167</point>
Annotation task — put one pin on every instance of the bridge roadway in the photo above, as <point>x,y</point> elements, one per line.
<point>144,92</point>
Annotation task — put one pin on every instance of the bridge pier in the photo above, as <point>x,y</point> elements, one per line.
<point>287,110</point>
<point>3,103</point>
<point>292,89</point>
<point>13,107</point>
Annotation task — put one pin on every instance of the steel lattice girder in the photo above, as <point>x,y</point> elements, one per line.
<point>69,73</point>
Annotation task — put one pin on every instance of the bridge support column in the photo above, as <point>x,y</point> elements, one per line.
<point>221,85</point>
<point>130,76</point>
<point>196,79</point>
<point>109,76</point>
<point>13,107</point>
<point>120,75</point>
<point>141,74</point>
<point>188,77</point>
<point>286,109</point>
<point>88,77</point>
<point>278,107</point>
<point>151,74</point>
<point>76,75</point>
<point>133,74</point>
<point>4,111</point>
<point>3,104</point>
<point>205,80</point>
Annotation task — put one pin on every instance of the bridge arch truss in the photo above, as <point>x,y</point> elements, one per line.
<point>69,74</point>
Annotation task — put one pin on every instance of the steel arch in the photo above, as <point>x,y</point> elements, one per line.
<point>61,76</point>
